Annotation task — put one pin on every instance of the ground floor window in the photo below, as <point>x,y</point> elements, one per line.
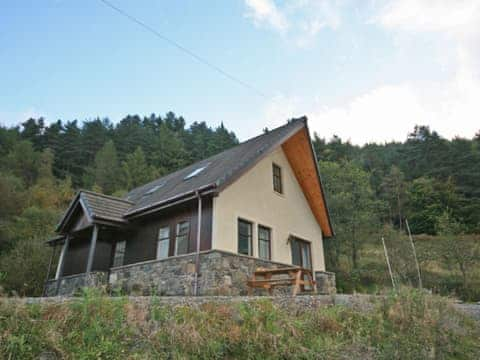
<point>163,242</point>
<point>181,239</point>
<point>301,253</point>
<point>244,237</point>
<point>119,254</point>
<point>264,242</point>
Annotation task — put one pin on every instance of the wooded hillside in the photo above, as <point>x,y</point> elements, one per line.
<point>431,181</point>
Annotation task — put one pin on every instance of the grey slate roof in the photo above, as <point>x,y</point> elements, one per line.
<point>105,207</point>
<point>220,169</point>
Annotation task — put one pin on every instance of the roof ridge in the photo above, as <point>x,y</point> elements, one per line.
<point>106,196</point>
<point>290,122</point>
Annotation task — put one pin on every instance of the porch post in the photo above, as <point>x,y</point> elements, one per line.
<point>199,232</point>
<point>54,247</point>
<point>61,263</point>
<point>91,252</point>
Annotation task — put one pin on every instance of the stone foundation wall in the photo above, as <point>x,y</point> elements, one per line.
<point>326,283</point>
<point>221,273</point>
<point>71,284</point>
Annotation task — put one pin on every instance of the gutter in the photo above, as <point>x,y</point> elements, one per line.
<point>177,199</point>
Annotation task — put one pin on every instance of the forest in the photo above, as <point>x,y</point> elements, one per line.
<point>372,191</point>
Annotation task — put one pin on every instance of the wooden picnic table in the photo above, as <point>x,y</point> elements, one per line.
<point>264,279</point>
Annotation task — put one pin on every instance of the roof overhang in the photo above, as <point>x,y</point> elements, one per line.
<point>79,202</point>
<point>299,151</point>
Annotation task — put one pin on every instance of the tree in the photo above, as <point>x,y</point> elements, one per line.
<point>106,168</point>
<point>24,264</point>
<point>353,207</point>
<point>136,170</point>
<point>456,250</point>
<point>23,161</point>
<point>394,192</point>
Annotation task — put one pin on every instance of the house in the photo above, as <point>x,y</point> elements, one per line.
<point>202,229</point>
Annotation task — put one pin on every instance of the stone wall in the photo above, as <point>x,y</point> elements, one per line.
<point>326,283</point>
<point>69,285</point>
<point>360,302</point>
<point>221,273</point>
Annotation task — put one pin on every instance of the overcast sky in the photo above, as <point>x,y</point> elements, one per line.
<point>365,70</point>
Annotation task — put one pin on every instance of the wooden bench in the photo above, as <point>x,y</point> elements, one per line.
<point>296,277</point>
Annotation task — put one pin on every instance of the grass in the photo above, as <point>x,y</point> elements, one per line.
<point>408,325</point>
<point>437,275</point>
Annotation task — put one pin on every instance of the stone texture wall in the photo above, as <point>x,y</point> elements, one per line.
<point>326,283</point>
<point>71,284</point>
<point>221,273</point>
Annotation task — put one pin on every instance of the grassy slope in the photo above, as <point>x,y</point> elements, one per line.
<point>437,275</point>
<point>408,326</point>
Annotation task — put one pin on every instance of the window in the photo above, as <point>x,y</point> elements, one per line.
<point>181,240</point>
<point>153,189</point>
<point>244,237</point>
<point>277,178</point>
<point>195,172</point>
<point>264,235</point>
<point>119,254</point>
<point>301,253</point>
<point>163,242</point>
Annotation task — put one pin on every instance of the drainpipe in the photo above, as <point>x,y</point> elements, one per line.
<point>197,252</point>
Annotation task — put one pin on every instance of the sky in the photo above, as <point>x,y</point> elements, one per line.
<point>365,70</point>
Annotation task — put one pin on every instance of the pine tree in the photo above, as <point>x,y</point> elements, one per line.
<point>136,170</point>
<point>106,170</point>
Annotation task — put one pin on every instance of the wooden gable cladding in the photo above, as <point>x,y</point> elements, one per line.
<point>298,150</point>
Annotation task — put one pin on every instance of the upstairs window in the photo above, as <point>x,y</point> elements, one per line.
<point>264,242</point>
<point>119,254</point>
<point>163,242</point>
<point>244,237</point>
<point>277,178</point>
<point>181,239</point>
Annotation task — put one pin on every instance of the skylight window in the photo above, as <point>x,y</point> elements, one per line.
<point>195,172</point>
<point>153,189</point>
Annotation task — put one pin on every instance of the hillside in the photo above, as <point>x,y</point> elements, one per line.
<point>410,325</point>
<point>372,190</point>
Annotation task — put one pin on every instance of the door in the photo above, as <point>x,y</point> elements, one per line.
<point>301,253</point>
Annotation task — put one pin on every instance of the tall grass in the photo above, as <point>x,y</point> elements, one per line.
<point>408,325</point>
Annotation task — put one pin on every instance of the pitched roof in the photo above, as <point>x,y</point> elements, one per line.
<point>105,207</point>
<point>219,170</point>
<point>97,206</point>
<point>213,174</point>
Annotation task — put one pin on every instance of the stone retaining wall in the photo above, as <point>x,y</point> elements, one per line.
<point>71,284</point>
<point>221,273</point>
<point>358,301</point>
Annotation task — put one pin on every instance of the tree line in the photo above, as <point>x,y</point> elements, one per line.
<point>371,189</point>
<point>42,165</point>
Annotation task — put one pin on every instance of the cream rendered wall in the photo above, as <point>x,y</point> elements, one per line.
<point>252,198</point>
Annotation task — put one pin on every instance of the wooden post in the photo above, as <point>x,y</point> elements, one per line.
<point>61,264</point>
<point>54,247</point>
<point>91,252</point>
<point>197,252</point>
<point>414,255</point>
<point>388,262</point>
